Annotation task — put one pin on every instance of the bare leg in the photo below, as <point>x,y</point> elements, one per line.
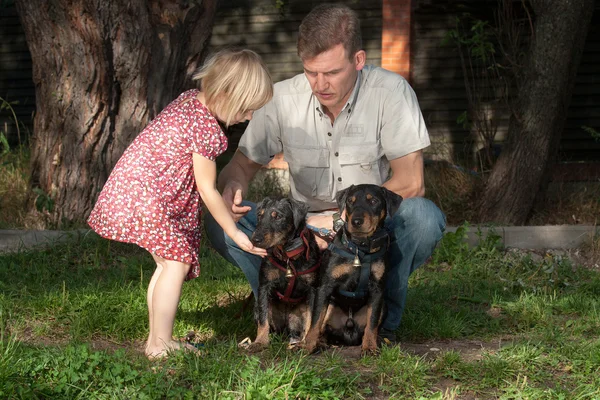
<point>164,292</point>
<point>155,276</point>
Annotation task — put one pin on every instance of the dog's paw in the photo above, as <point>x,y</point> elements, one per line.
<point>322,345</point>
<point>250,347</point>
<point>309,347</point>
<point>313,347</point>
<point>295,347</point>
<point>295,343</point>
<point>256,347</point>
<point>369,350</point>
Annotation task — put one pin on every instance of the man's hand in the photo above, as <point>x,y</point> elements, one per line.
<point>232,195</point>
<point>321,221</point>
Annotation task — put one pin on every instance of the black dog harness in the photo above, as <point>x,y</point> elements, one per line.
<point>375,248</point>
<point>293,251</point>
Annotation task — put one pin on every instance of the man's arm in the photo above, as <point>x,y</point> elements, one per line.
<point>407,175</point>
<point>233,182</point>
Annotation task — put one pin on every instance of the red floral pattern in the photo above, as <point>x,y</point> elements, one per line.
<point>151,198</point>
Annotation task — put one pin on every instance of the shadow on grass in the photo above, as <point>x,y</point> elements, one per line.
<point>97,288</point>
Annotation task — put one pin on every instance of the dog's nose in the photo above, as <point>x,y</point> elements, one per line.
<point>257,238</point>
<point>357,221</point>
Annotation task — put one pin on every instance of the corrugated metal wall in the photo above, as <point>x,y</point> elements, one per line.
<point>438,81</point>
<point>272,31</point>
<point>260,25</point>
<point>585,104</point>
<point>15,75</point>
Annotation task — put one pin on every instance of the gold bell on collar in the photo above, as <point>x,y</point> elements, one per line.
<point>289,273</point>
<point>356,262</point>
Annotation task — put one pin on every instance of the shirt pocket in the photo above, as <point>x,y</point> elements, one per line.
<point>309,171</point>
<point>363,164</point>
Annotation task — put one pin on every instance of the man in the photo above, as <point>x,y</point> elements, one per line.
<point>339,123</point>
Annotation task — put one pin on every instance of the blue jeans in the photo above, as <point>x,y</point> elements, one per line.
<point>415,230</point>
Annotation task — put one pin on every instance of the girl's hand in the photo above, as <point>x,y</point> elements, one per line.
<point>245,244</point>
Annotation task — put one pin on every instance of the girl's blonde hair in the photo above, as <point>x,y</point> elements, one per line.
<point>234,82</point>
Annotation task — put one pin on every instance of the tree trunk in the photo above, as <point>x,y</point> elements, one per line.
<point>102,70</point>
<point>539,110</point>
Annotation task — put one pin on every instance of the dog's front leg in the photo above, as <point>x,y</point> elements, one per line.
<point>313,336</point>
<point>374,314</point>
<point>308,313</point>
<point>261,314</point>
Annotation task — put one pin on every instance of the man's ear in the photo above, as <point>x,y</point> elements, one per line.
<point>340,198</point>
<point>360,59</point>
<point>299,211</point>
<point>392,201</point>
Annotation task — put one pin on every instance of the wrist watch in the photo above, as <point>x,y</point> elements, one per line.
<point>337,222</point>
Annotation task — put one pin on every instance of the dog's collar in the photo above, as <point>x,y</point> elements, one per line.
<point>293,249</point>
<point>376,244</point>
<point>351,251</point>
<point>323,233</point>
<point>287,295</point>
<point>291,252</point>
<point>377,247</point>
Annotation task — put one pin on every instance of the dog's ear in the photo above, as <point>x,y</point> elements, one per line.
<point>299,211</point>
<point>392,201</point>
<point>340,198</point>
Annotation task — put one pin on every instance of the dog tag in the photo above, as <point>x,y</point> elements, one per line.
<point>357,260</point>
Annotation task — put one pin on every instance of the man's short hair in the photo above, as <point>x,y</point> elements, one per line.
<point>326,26</point>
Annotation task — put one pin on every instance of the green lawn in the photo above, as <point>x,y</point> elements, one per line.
<point>479,324</point>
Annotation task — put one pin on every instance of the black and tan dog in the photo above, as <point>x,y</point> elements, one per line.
<point>349,305</point>
<point>289,273</point>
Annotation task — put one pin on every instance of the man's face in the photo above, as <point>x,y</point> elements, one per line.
<point>332,76</point>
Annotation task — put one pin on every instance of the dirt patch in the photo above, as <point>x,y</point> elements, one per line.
<point>449,388</point>
<point>29,336</point>
<point>587,256</point>
<point>469,350</point>
<point>103,344</point>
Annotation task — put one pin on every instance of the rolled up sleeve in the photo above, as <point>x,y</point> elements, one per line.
<point>262,138</point>
<point>403,130</point>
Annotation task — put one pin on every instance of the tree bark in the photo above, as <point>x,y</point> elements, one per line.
<point>539,111</point>
<point>102,70</point>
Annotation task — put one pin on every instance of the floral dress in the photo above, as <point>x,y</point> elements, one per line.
<point>151,198</point>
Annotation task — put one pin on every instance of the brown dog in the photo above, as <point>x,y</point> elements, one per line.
<point>288,275</point>
<point>349,304</point>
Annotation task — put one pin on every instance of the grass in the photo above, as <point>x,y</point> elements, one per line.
<point>479,323</point>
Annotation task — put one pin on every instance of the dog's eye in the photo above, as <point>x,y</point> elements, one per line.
<point>275,215</point>
<point>373,201</point>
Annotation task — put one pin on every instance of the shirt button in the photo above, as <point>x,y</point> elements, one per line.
<point>328,133</point>
<point>337,154</point>
<point>340,179</point>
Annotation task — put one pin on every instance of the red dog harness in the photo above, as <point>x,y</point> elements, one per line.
<point>287,256</point>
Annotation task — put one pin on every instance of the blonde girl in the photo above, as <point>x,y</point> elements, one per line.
<point>155,194</point>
